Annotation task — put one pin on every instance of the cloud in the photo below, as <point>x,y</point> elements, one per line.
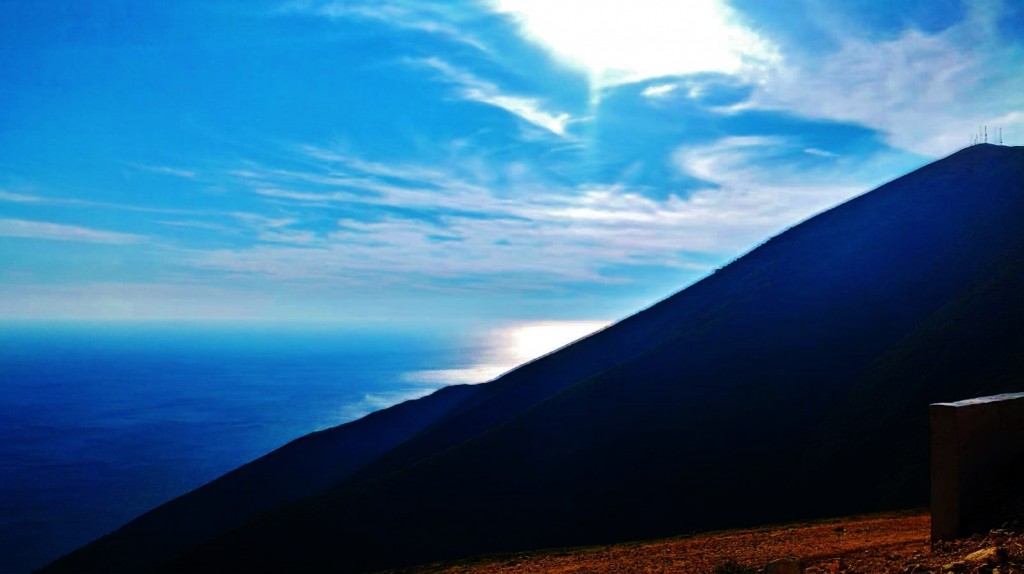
<point>474,89</point>
<point>1012,126</point>
<point>463,185</point>
<point>819,152</point>
<point>418,16</point>
<point>197,224</point>
<point>926,92</point>
<point>165,170</point>
<point>60,232</point>
<point>75,202</point>
<point>659,90</point>
<point>754,196</point>
<point>19,197</point>
<point>290,236</point>
<point>624,42</point>
<point>452,229</point>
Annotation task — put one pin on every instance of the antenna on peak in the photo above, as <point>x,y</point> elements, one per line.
<point>986,134</point>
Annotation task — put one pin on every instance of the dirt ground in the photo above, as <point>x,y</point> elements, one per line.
<point>876,544</point>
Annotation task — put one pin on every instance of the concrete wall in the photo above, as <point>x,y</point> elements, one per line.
<point>972,441</point>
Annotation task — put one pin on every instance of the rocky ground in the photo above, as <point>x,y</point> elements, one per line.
<point>876,544</point>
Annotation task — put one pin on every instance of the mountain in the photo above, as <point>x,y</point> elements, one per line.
<point>792,383</point>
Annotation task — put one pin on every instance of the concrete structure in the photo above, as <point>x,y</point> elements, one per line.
<point>972,442</point>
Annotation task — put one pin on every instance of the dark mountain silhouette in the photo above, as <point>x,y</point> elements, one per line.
<point>792,383</point>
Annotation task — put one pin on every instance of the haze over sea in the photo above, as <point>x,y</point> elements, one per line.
<point>101,422</point>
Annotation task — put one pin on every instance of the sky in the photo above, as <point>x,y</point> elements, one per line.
<point>459,162</point>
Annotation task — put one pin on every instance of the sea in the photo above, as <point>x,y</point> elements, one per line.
<point>101,422</point>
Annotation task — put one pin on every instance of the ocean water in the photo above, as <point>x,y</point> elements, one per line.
<point>101,423</point>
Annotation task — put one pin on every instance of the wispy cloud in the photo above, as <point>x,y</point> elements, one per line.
<point>166,170</point>
<point>199,224</point>
<point>927,92</point>
<point>436,19</point>
<point>760,193</point>
<point>475,89</point>
<point>19,197</point>
<point>454,228</point>
<point>76,202</point>
<point>60,232</point>
<point>819,152</point>
<point>659,90</point>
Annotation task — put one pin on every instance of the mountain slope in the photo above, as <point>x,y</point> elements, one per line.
<point>792,383</point>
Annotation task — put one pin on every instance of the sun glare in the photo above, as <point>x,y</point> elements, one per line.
<point>507,348</point>
<point>619,42</point>
<point>532,340</point>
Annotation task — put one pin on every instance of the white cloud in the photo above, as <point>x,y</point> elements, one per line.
<point>820,152</point>
<point>754,197</point>
<point>198,224</point>
<point>617,42</point>
<point>166,170</point>
<point>542,235</point>
<point>1012,125</point>
<point>926,92</point>
<point>419,16</point>
<point>291,236</point>
<point>477,90</point>
<point>346,179</point>
<point>263,222</point>
<point>659,90</point>
<point>19,197</point>
<point>74,202</point>
<point>60,232</point>
<point>526,108</point>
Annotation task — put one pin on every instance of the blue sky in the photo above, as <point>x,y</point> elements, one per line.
<point>468,161</point>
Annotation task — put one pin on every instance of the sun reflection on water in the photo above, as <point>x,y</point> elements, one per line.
<point>531,340</point>
<point>509,347</point>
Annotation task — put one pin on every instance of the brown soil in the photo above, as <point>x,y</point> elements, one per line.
<point>876,544</point>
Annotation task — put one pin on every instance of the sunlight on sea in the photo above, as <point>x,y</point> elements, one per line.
<point>509,347</point>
